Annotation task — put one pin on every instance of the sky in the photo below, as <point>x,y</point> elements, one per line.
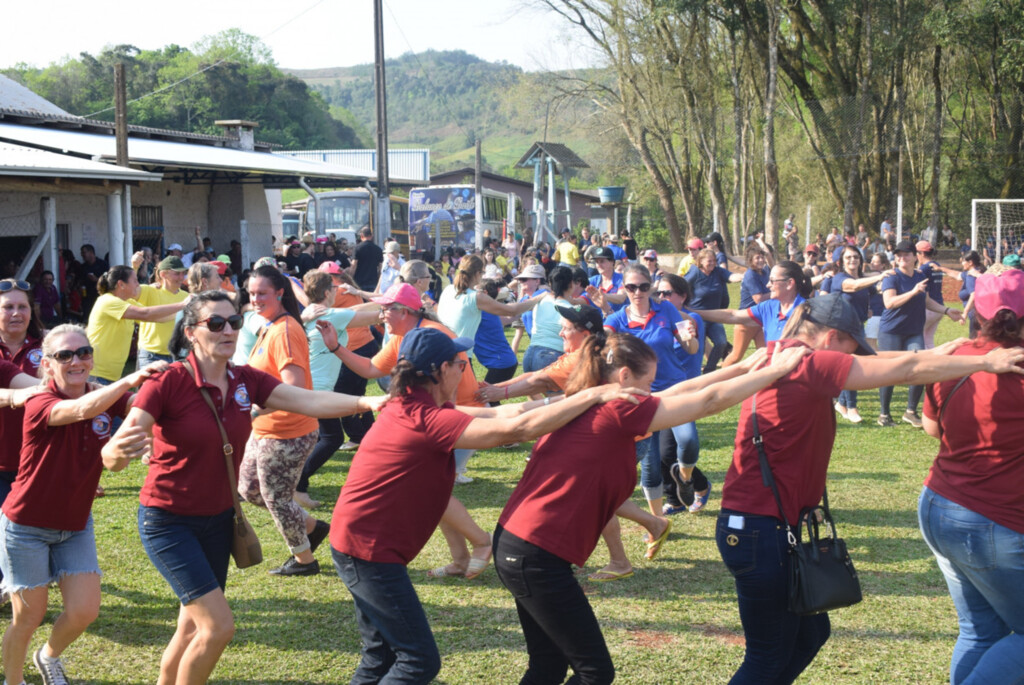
<point>303,34</point>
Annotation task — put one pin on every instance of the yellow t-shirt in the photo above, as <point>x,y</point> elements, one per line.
<point>156,337</point>
<point>110,336</point>
<point>684,265</point>
<point>568,253</point>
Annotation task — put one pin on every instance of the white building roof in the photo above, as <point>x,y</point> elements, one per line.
<point>18,160</point>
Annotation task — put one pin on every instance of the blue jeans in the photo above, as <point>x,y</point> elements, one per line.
<point>398,646</point>
<point>536,357</point>
<point>780,644</point>
<point>983,563</point>
<point>891,342</point>
<point>191,552</point>
<point>715,332</point>
<point>144,358</point>
<point>558,623</point>
<point>848,399</point>
<point>648,453</point>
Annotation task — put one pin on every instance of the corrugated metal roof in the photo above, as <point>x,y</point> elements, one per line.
<point>411,165</point>
<point>17,160</point>
<point>165,153</point>
<point>557,151</point>
<point>13,95</point>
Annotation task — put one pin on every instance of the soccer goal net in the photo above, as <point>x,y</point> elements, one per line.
<point>997,227</point>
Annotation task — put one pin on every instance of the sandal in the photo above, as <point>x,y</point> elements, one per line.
<point>443,572</point>
<point>478,565</point>
<point>654,546</point>
<point>604,575</point>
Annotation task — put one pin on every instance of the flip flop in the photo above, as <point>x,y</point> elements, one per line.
<point>654,546</point>
<point>443,572</point>
<point>604,576</point>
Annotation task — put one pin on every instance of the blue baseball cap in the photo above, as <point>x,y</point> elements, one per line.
<point>834,311</point>
<point>427,348</point>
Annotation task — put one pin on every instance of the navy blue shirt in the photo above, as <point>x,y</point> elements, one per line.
<point>490,346</point>
<point>934,274</point>
<point>710,291</point>
<point>658,331</point>
<point>860,300</point>
<point>754,283</point>
<point>769,314</point>
<point>967,287</point>
<point>909,318</point>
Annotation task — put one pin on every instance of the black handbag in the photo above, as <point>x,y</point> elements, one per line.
<point>821,573</point>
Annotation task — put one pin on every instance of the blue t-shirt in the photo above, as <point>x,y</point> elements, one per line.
<point>692,362</point>
<point>909,318</point>
<point>769,315</point>
<point>754,283</point>
<point>934,274</point>
<point>710,291</point>
<point>967,287</point>
<point>860,300</point>
<point>490,344</point>
<point>825,287</point>
<point>659,331</point>
<point>615,287</point>
<point>877,304</point>
<point>618,252</point>
<point>722,260</point>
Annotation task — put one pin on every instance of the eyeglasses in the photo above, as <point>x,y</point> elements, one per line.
<point>216,323</point>
<point>461,363</point>
<point>633,287</point>
<point>665,293</point>
<point>65,356</point>
<point>779,280</point>
<point>9,284</point>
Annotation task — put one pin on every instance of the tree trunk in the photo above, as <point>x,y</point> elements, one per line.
<point>771,169</point>
<point>936,136</point>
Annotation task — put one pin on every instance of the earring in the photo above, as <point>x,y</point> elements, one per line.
<point>278,298</point>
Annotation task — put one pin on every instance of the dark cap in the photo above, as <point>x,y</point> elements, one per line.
<point>905,246</point>
<point>171,263</point>
<point>428,348</point>
<point>582,315</point>
<point>835,312</point>
<point>604,253</point>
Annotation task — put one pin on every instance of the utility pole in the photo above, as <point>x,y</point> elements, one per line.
<point>382,226</point>
<point>478,205</point>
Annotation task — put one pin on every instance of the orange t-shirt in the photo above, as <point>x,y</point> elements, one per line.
<point>280,344</point>
<point>358,336</point>
<point>559,370</point>
<point>465,394</point>
<point>227,286</point>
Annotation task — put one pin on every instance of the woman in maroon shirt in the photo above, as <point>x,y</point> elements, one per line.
<point>575,480</point>
<point>46,523</point>
<point>185,515</point>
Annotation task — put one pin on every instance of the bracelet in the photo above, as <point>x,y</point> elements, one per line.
<point>506,392</point>
<point>946,312</point>
<point>335,348</point>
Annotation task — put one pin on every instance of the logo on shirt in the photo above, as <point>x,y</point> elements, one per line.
<point>35,356</point>
<point>242,397</point>
<point>101,426</point>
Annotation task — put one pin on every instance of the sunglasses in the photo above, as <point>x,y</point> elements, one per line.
<point>216,323</point>
<point>633,287</point>
<point>65,356</point>
<point>665,293</point>
<point>9,284</point>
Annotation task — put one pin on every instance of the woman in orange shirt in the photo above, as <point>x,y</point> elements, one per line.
<point>281,441</point>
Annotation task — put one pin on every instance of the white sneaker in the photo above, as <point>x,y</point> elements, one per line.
<point>349,446</point>
<point>462,479</point>
<point>841,409</point>
<point>853,415</point>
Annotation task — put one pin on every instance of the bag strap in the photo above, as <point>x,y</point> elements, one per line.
<point>945,402</point>
<point>226,446</point>
<point>767,477</point>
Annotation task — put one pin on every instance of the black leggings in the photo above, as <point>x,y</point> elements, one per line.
<point>499,376</point>
<point>351,383</point>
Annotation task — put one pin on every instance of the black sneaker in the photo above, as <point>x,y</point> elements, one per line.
<point>684,488</point>
<point>884,420</point>
<point>293,567</point>
<point>318,534</point>
<point>52,670</point>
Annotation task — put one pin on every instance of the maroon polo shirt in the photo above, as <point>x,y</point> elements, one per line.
<point>60,465</point>
<point>27,360</point>
<point>400,481</point>
<point>187,474</point>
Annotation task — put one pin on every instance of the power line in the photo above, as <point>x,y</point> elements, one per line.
<point>211,66</point>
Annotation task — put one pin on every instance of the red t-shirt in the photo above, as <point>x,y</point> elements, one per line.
<point>187,474</point>
<point>577,477</point>
<point>400,481</point>
<point>980,464</point>
<point>27,361</point>
<point>60,465</point>
<point>798,427</point>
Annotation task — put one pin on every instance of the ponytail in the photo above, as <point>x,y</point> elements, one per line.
<point>469,267</point>
<point>116,274</point>
<point>791,269</point>
<point>603,355</point>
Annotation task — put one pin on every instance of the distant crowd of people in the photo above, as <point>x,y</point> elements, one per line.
<point>249,378</point>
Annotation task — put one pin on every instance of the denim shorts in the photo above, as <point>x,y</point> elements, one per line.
<point>34,557</point>
<point>190,552</point>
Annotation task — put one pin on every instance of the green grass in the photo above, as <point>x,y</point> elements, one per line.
<point>674,621</point>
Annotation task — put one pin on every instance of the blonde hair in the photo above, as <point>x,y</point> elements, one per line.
<point>470,267</point>
<point>197,272</point>
<point>49,345</point>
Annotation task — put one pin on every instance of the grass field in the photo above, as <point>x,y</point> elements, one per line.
<point>675,621</point>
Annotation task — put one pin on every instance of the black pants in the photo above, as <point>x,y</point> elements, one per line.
<point>559,626</point>
<point>668,457</point>
<point>331,437</point>
<point>499,376</point>
<point>351,383</point>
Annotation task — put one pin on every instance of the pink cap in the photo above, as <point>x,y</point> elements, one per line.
<point>695,244</point>
<point>403,294</point>
<point>330,267</point>
<point>650,254</point>
<point>222,268</point>
<point>923,246</point>
<point>1003,291</point>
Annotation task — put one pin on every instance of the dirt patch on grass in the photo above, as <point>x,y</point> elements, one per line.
<point>719,633</point>
<point>650,639</point>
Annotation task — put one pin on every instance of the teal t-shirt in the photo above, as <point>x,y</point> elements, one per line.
<point>252,323</point>
<point>324,367</point>
<point>459,312</point>
<point>547,323</point>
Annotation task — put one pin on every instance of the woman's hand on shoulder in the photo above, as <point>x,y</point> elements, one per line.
<point>785,360</point>
<point>136,379</point>
<point>20,396</point>
<point>614,391</point>
<point>948,348</point>
<point>1005,359</point>
<point>313,312</point>
<point>376,403</point>
<point>755,360</point>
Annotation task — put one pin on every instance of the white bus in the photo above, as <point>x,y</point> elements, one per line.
<point>445,216</point>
